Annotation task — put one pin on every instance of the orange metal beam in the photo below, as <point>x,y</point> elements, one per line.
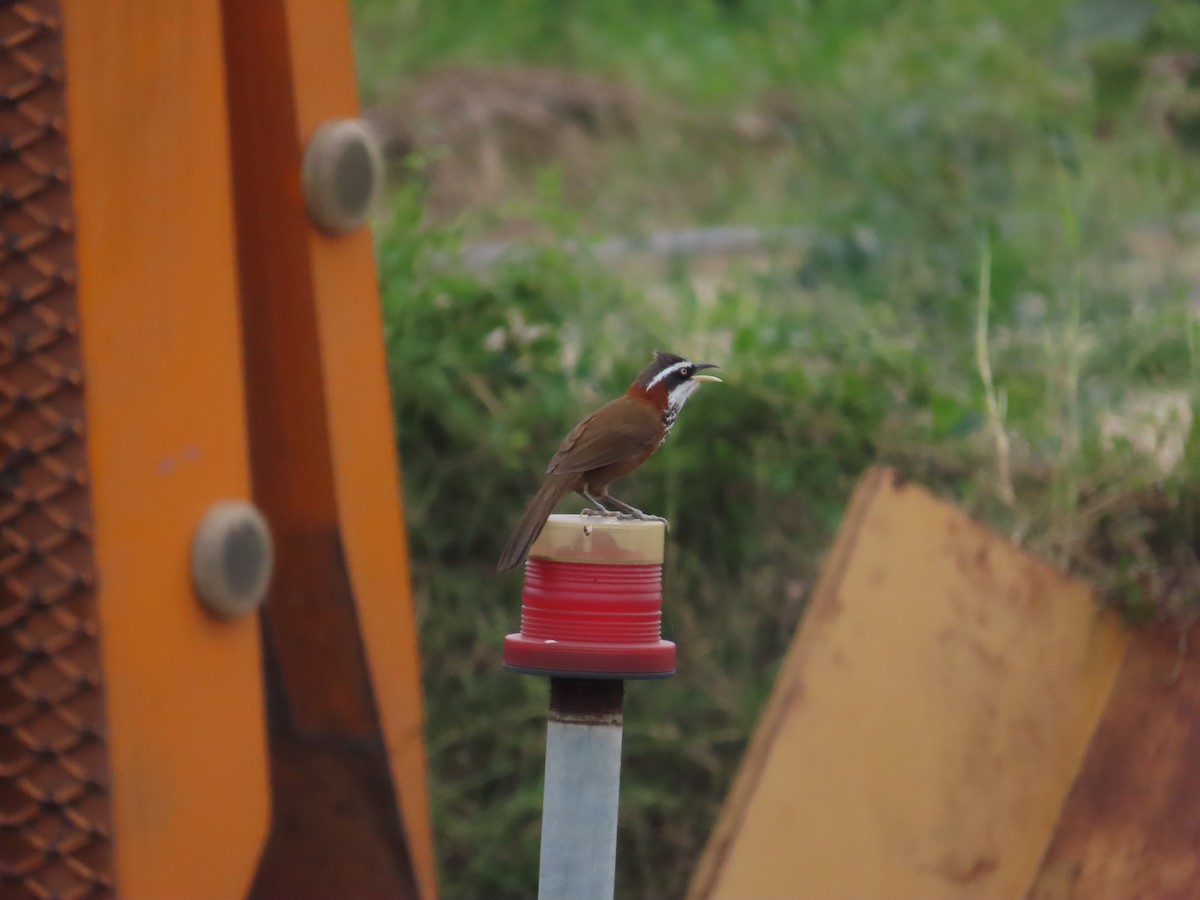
<point>165,405</point>
<point>366,477</point>
<point>345,669</point>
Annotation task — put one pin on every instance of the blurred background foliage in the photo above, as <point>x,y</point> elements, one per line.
<point>974,257</point>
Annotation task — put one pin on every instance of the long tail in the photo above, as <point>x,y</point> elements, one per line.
<point>553,489</point>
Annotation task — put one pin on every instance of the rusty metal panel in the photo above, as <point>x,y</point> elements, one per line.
<point>927,723</point>
<point>54,795</point>
<point>1130,826</point>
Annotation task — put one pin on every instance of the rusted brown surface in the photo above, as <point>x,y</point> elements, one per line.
<point>1130,827</point>
<point>334,828</point>
<point>587,701</point>
<point>54,795</point>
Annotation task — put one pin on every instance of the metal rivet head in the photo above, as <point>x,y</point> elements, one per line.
<point>342,175</point>
<point>232,559</point>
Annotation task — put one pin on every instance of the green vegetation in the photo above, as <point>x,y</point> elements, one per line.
<point>998,296</point>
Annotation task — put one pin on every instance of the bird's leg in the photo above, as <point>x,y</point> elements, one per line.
<point>600,508</point>
<point>632,512</point>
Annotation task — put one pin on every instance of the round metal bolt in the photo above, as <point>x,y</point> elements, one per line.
<point>232,559</point>
<point>342,175</point>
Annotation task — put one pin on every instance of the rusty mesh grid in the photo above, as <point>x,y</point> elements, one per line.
<point>54,804</point>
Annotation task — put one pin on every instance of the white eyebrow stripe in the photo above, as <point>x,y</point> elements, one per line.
<point>667,371</point>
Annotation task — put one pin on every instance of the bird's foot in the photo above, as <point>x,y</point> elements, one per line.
<point>601,513</point>
<point>637,514</point>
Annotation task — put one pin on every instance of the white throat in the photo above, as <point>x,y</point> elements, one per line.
<point>676,399</point>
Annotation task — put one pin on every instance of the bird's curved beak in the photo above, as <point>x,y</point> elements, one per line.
<point>706,377</point>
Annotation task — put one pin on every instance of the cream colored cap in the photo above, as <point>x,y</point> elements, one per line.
<point>600,539</point>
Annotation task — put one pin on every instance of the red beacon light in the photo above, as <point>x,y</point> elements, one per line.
<point>592,602</point>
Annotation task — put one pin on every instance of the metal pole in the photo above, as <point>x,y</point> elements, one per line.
<point>583,777</point>
<point>591,617</point>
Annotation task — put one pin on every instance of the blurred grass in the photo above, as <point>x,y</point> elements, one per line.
<point>1017,171</point>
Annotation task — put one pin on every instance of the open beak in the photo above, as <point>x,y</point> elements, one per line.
<point>706,377</point>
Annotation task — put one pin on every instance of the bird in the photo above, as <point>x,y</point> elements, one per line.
<point>609,444</point>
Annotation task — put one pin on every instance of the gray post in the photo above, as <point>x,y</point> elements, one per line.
<point>583,778</point>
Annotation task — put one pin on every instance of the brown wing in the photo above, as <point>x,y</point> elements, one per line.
<point>619,430</point>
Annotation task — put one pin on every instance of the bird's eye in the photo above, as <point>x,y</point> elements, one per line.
<point>685,372</point>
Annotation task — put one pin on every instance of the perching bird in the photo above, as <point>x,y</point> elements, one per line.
<point>608,444</point>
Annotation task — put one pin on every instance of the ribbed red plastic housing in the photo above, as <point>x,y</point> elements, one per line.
<point>591,620</point>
